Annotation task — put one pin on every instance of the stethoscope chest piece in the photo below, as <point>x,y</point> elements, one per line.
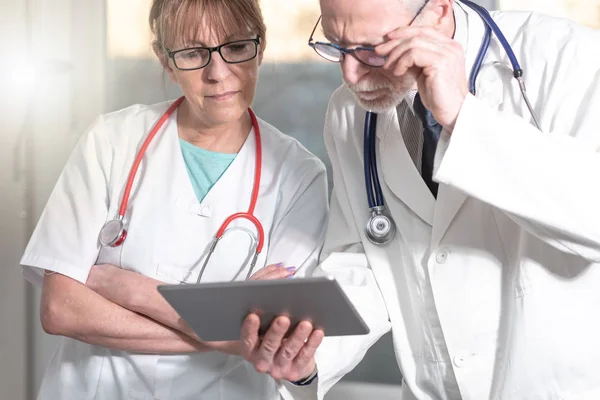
<point>380,228</point>
<point>112,234</point>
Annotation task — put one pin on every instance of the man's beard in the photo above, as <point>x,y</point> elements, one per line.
<point>381,96</point>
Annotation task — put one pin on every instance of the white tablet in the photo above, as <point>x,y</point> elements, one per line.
<point>215,311</point>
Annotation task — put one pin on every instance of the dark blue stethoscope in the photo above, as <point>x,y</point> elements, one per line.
<point>380,227</point>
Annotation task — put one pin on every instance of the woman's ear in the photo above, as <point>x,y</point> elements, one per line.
<point>261,50</point>
<point>163,59</point>
<point>260,57</point>
<point>161,55</point>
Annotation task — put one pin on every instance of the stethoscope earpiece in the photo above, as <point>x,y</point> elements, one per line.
<point>492,27</point>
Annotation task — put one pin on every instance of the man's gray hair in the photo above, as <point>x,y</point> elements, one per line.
<point>413,5</point>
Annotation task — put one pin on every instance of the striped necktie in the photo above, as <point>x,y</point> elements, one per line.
<point>431,134</point>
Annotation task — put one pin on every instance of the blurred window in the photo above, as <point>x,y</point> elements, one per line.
<point>586,12</point>
<point>288,28</point>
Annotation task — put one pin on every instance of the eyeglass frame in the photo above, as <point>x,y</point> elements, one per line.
<point>171,54</point>
<point>343,50</point>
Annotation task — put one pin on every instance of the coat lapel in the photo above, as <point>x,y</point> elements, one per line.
<point>399,171</point>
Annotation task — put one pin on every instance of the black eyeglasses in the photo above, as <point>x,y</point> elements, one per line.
<point>365,54</point>
<point>235,52</point>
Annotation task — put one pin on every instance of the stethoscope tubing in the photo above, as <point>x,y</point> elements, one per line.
<point>248,215</point>
<point>489,21</point>
<point>374,195</point>
<point>140,155</point>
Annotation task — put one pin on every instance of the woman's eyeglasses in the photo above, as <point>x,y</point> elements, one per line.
<point>235,52</point>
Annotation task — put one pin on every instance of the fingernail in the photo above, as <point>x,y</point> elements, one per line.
<point>291,269</point>
<point>279,265</point>
<point>306,326</point>
<point>282,323</point>
<point>289,276</point>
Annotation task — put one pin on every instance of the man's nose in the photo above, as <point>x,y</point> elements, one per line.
<point>352,69</point>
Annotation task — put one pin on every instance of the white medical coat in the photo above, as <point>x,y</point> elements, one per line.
<point>493,290</point>
<point>168,235</point>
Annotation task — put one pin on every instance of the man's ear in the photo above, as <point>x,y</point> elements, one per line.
<point>442,9</point>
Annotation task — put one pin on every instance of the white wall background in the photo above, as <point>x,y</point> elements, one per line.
<point>55,86</point>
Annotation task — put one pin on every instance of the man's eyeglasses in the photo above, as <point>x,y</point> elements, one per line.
<point>365,54</point>
<point>235,52</point>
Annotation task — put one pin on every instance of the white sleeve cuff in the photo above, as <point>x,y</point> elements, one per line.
<point>34,266</point>
<point>289,391</point>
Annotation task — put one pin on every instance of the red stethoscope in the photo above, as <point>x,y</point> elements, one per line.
<point>113,233</point>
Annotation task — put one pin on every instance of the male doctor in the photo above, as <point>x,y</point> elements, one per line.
<point>491,284</point>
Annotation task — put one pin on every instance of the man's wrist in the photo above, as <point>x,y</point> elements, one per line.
<point>450,126</point>
<point>308,380</point>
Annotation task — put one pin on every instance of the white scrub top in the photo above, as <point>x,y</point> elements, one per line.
<point>168,235</point>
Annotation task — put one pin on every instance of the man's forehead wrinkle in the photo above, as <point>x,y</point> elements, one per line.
<point>353,31</point>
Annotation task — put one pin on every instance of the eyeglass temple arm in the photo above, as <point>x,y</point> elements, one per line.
<point>310,39</point>
<point>419,12</point>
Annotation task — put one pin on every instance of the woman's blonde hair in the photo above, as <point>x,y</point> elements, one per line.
<point>182,20</point>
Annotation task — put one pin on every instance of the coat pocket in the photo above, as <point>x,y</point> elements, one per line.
<point>175,274</point>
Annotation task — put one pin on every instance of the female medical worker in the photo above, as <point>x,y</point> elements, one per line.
<point>119,339</point>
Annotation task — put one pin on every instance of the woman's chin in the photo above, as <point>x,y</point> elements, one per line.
<point>223,114</point>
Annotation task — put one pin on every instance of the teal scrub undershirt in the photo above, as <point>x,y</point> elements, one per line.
<point>204,167</point>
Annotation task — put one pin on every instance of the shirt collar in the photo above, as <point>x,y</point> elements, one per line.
<point>460,35</point>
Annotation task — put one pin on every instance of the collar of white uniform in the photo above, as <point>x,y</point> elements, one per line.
<point>461,23</point>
